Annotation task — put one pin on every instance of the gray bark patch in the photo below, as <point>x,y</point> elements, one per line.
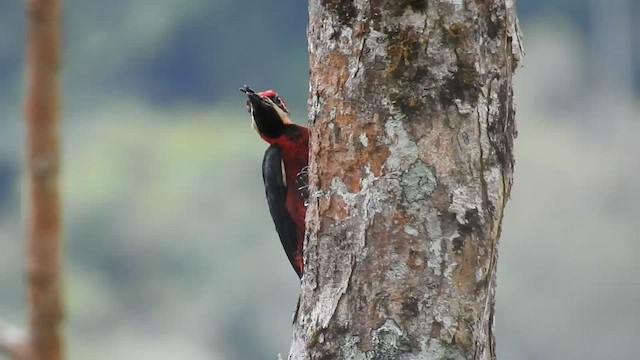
<point>418,182</point>
<point>389,341</point>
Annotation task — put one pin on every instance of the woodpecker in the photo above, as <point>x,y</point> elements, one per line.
<point>284,169</point>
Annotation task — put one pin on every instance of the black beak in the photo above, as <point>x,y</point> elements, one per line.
<point>247,90</point>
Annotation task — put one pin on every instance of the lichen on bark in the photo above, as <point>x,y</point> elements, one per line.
<point>411,163</point>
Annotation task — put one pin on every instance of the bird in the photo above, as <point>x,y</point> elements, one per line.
<point>284,169</point>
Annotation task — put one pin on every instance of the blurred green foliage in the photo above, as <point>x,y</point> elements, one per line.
<point>170,252</point>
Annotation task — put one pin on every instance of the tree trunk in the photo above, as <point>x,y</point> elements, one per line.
<point>411,166</point>
<point>43,213</point>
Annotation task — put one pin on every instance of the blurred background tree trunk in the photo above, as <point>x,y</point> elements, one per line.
<point>411,166</point>
<point>42,167</point>
<point>44,339</point>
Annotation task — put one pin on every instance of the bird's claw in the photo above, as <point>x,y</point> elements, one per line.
<point>302,180</point>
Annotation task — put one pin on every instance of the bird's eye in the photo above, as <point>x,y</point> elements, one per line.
<point>280,103</point>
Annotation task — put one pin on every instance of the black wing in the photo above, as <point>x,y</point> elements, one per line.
<point>276,192</point>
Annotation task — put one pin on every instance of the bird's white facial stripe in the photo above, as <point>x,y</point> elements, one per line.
<point>284,173</point>
<point>283,115</point>
<point>253,120</point>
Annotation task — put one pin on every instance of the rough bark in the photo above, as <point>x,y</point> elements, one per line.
<point>43,214</point>
<point>411,165</point>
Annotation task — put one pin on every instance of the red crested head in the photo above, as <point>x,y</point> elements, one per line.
<point>271,94</point>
